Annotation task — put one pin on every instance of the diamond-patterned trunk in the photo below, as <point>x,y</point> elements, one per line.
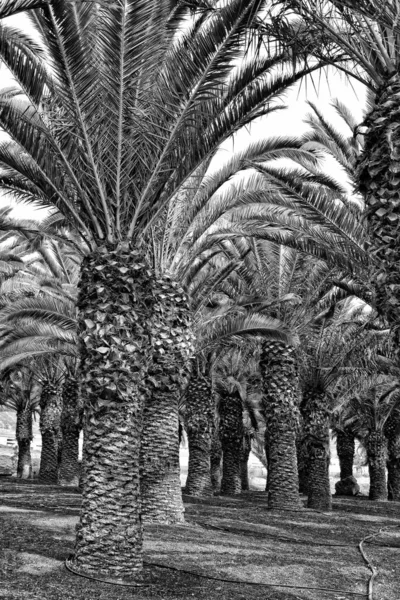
<point>376,447</point>
<point>216,461</point>
<point>392,434</point>
<point>24,437</point>
<point>200,411</point>
<point>345,446</point>
<point>50,415</point>
<point>302,462</point>
<point>280,403</point>
<point>71,425</point>
<point>379,182</point>
<point>115,307</point>
<point>316,419</point>
<point>231,436</point>
<point>167,376</point>
<point>244,462</point>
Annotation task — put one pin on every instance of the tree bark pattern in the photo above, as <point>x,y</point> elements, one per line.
<point>376,447</point>
<point>216,461</point>
<point>345,446</point>
<point>316,419</point>
<point>50,416</point>
<point>231,436</point>
<point>302,463</point>
<point>280,403</point>
<point>24,436</point>
<point>167,377</point>
<point>115,307</point>
<point>71,425</point>
<point>200,413</point>
<point>244,462</point>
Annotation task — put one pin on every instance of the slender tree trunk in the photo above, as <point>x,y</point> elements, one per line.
<point>115,309</point>
<point>378,174</point>
<point>280,400</point>
<point>393,467</point>
<point>345,445</point>
<point>200,410</point>
<point>316,418</point>
<point>24,438</point>
<point>231,435</point>
<point>376,447</point>
<point>71,425</point>
<point>168,373</point>
<point>50,415</point>
<point>244,462</point>
<point>216,461</point>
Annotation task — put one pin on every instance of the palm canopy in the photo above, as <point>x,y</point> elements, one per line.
<point>131,99</point>
<point>365,32</point>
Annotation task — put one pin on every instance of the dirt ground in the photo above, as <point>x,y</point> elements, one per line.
<point>315,555</point>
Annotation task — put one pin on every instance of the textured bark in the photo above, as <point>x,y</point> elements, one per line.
<point>379,182</point>
<point>115,307</point>
<point>216,461</point>
<point>168,374</point>
<point>244,462</point>
<point>280,402</point>
<point>302,463</point>
<point>316,418</point>
<point>393,466</point>
<point>24,436</point>
<point>345,445</point>
<point>200,411</point>
<point>231,436</point>
<point>376,447</point>
<point>50,415</point>
<point>71,425</point>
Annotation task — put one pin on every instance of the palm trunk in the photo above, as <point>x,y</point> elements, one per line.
<point>231,436</point>
<point>302,463</point>
<point>200,411</point>
<point>379,177</point>
<point>244,462</point>
<point>316,418</point>
<point>71,425</point>
<point>393,467</point>
<point>376,447</point>
<point>24,437</point>
<point>115,308</point>
<point>345,445</point>
<point>216,461</point>
<point>50,415</point>
<point>280,402</point>
<point>168,374</point>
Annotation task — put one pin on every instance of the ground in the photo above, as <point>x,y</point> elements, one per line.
<point>231,538</point>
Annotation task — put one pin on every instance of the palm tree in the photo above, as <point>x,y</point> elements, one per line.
<point>20,395</point>
<point>370,411</point>
<point>71,426</point>
<point>124,115</point>
<point>366,33</point>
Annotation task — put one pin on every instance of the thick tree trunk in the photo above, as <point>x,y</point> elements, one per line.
<point>345,446</point>
<point>168,373</point>
<point>50,415</point>
<point>231,435</point>
<point>71,425</point>
<point>379,176</point>
<point>24,436</point>
<point>115,308</point>
<point>303,463</point>
<point>316,418</point>
<point>216,461</point>
<point>200,411</point>
<point>393,467</point>
<point>280,401</point>
<point>244,462</point>
<point>376,447</point>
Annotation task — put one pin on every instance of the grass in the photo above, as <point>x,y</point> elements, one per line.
<point>225,537</point>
